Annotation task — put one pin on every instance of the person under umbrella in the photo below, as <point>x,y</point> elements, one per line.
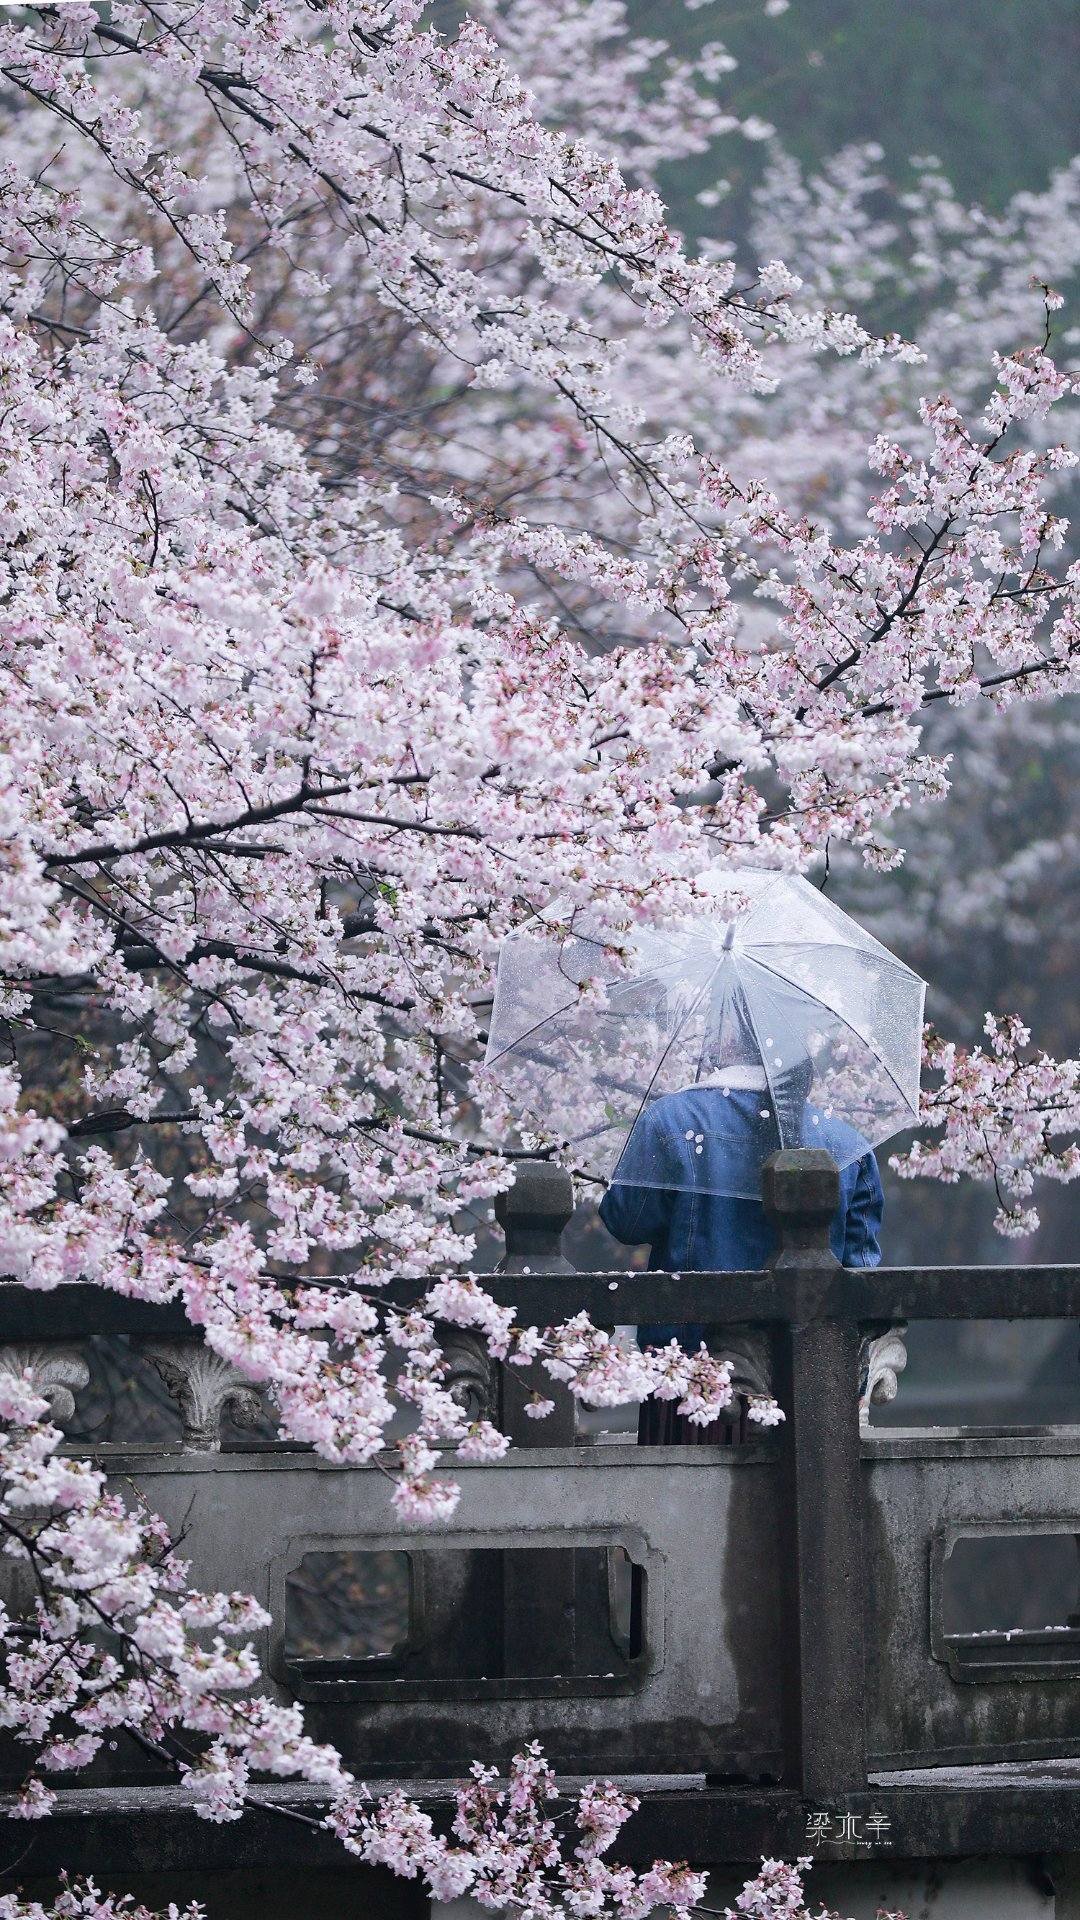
<point>727,1119</point>
<point>672,1068</point>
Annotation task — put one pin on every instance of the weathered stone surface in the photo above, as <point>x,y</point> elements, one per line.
<point>204,1387</point>
<point>57,1373</point>
<point>882,1358</point>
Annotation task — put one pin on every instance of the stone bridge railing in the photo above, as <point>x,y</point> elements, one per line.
<point>790,1618</point>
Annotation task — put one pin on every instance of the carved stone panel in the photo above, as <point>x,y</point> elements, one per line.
<point>57,1373</point>
<point>748,1354</point>
<point>882,1358</point>
<point>471,1375</point>
<point>204,1387</point>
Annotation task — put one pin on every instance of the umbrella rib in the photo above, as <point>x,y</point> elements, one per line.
<point>518,1038</point>
<point>763,1056</point>
<point>819,1002</point>
<point>765,894</point>
<point>838,946</point>
<point>827,909</point>
<point>638,980</point>
<point>554,1065</point>
<point>618,986</point>
<point>704,1036</point>
<point>652,1082</point>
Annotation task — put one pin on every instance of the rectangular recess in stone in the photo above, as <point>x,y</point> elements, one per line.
<point>1005,1600</point>
<point>377,1622</point>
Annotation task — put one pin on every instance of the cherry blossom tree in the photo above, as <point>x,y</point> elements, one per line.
<point>400,529</point>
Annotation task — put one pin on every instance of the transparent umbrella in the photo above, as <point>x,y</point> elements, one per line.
<point>800,1027</point>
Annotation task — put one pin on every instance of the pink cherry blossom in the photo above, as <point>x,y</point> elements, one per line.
<point>400,528</point>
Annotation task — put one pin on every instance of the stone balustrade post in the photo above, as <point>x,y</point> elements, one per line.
<point>540,1588</point>
<point>821,1557</point>
<point>532,1214</point>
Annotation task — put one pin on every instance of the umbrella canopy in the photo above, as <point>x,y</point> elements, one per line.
<point>800,1028</point>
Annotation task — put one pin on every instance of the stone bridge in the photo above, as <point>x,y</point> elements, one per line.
<point>782,1644</point>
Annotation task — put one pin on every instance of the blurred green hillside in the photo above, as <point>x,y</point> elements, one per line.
<point>989,86</point>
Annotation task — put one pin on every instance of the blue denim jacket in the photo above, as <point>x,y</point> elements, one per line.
<point>704,1232</point>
